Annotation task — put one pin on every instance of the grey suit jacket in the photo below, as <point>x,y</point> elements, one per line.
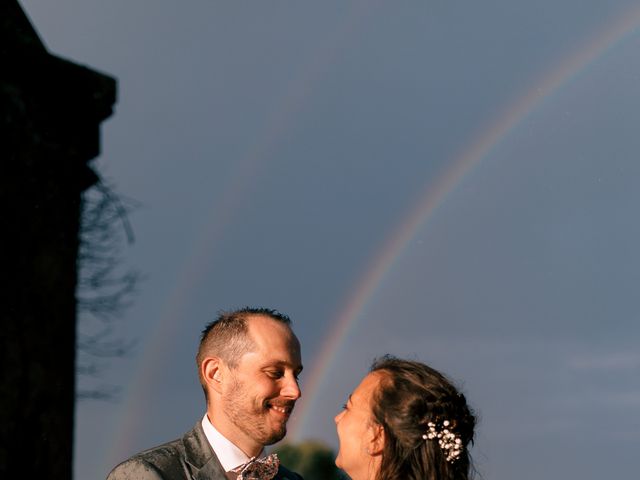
<point>187,458</point>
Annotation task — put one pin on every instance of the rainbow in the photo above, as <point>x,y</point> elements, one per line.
<point>435,193</point>
<point>125,433</point>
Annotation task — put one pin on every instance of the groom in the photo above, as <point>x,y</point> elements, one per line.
<point>248,364</point>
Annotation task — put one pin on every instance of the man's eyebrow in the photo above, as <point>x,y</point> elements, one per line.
<point>349,399</point>
<point>283,363</point>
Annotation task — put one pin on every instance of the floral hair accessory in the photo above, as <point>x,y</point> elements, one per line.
<point>450,443</point>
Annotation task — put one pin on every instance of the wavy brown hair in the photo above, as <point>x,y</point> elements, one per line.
<point>409,396</point>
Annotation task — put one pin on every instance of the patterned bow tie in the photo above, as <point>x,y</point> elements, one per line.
<point>264,468</point>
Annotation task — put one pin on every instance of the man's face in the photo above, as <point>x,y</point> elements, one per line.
<point>263,388</point>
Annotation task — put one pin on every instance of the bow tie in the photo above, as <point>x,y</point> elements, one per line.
<point>264,468</point>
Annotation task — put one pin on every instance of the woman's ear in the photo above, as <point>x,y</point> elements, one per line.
<point>376,440</point>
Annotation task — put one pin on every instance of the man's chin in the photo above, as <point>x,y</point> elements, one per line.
<point>276,436</point>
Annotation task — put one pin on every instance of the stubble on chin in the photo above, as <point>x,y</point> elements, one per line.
<point>277,435</point>
<point>251,419</point>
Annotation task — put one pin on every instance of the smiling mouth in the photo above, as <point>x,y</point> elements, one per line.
<point>281,409</point>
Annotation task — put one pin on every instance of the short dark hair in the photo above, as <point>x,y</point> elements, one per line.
<point>226,336</point>
<point>409,396</point>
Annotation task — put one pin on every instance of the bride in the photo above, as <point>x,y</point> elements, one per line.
<point>405,421</point>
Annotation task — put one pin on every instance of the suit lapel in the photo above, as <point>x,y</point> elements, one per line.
<point>203,462</point>
<point>212,470</point>
<point>200,456</point>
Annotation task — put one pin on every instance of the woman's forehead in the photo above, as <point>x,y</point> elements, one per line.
<point>367,387</point>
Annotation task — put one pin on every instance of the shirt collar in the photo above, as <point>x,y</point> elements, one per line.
<point>230,456</point>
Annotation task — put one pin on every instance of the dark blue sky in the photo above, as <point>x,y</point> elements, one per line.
<point>275,147</point>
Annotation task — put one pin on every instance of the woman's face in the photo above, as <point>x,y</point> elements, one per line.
<point>357,431</point>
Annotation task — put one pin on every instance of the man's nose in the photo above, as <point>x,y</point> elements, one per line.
<point>337,418</point>
<point>291,389</point>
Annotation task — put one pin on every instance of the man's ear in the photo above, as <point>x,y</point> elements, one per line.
<point>213,373</point>
<point>376,440</point>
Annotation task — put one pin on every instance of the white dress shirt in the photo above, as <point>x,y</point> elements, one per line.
<point>230,456</point>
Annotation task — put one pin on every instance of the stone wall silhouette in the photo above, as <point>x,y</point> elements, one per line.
<point>50,115</point>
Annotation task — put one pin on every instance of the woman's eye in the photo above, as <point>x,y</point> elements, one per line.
<point>344,406</point>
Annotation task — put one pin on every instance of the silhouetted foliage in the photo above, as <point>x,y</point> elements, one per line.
<point>312,459</point>
<point>105,289</point>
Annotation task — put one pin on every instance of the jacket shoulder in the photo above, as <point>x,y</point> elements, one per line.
<point>135,468</point>
<point>159,463</point>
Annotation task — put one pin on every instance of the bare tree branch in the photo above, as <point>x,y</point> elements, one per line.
<point>105,289</point>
